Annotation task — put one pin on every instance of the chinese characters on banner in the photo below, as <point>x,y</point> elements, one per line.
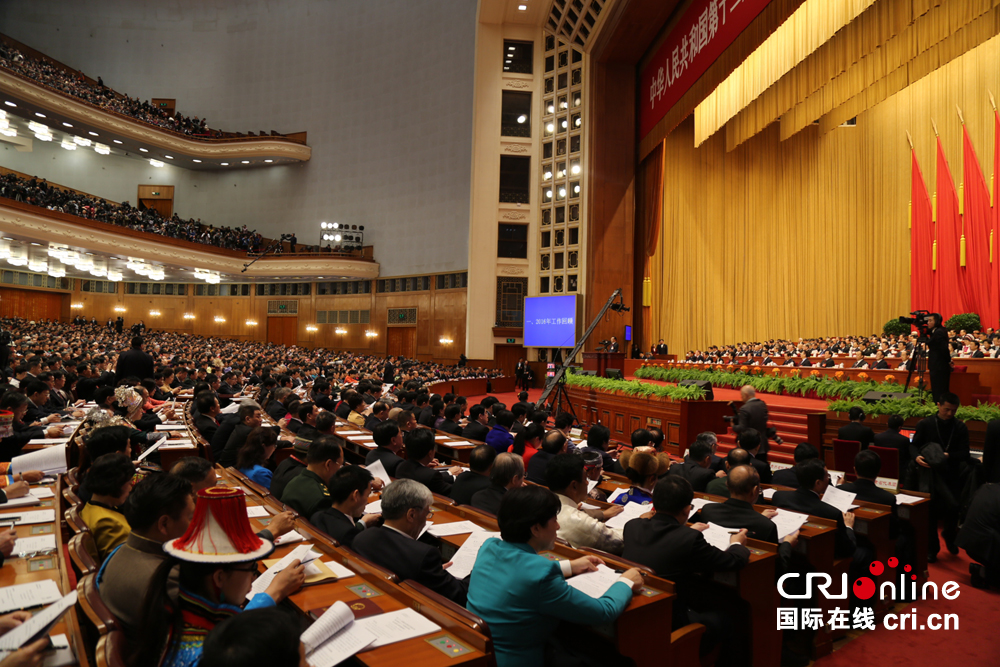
<point>553,320</point>
<point>705,30</point>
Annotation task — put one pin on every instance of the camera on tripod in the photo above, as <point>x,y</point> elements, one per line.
<point>922,320</point>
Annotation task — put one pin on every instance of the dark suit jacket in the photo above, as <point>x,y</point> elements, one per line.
<point>895,440</point>
<point>371,421</point>
<point>222,434</point>
<point>678,552</point>
<point>857,431</point>
<point>807,502</point>
<point>991,452</point>
<point>237,439</point>
<point>467,484</point>
<point>337,525</point>
<point>762,468</point>
<point>410,559</point>
<point>134,363</point>
<point>207,426</point>
<point>287,470</point>
<point>475,431</point>
<point>389,460</point>
<point>453,428</point>
<point>426,417</point>
<point>785,477</point>
<point>980,533</point>
<point>537,465</point>
<point>739,514</point>
<point>294,425</point>
<point>276,410</point>
<point>692,472</point>
<point>437,482</point>
<point>488,500</point>
<point>869,492</point>
<point>35,413</point>
<point>753,414</point>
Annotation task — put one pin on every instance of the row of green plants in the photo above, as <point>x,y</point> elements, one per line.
<point>822,386</point>
<point>906,409</point>
<point>633,388</point>
<point>958,322</point>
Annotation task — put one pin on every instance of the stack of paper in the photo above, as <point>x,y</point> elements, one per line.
<point>303,553</point>
<point>374,507</point>
<point>38,516</point>
<point>254,511</point>
<point>26,596</point>
<point>288,538</point>
<point>37,626</point>
<point>378,472</point>
<point>632,511</point>
<point>465,558</point>
<point>594,584</point>
<point>842,500</point>
<point>718,536</point>
<point>453,528</point>
<point>397,626</point>
<point>335,637</point>
<point>788,522</point>
<point>51,460</point>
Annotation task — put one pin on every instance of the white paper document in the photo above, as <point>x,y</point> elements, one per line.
<point>288,538</point>
<point>904,499</point>
<point>632,511</point>
<point>41,492</point>
<point>348,434</point>
<point>718,536</point>
<point>23,501</point>
<point>26,596</point>
<point>698,503</point>
<point>338,570</point>
<point>303,553</point>
<point>256,511</point>
<point>617,492</point>
<point>465,558</point>
<point>842,500</point>
<point>34,544</point>
<point>788,522</point>
<point>49,441</point>
<point>49,460</point>
<point>594,584</point>
<point>591,483</point>
<point>397,626</point>
<point>38,625</point>
<point>453,528</point>
<point>836,478</point>
<point>171,427</point>
<point>374,507</point>
<point>768,493</point>
<point>231,408</point>
<point>36,516</point>
<point>152,448</point>
<point>378,472</point>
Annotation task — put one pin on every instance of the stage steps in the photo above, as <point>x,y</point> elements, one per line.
<point>791,425</point>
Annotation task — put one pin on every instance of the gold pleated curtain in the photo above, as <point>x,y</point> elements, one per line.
<point>649,221</point>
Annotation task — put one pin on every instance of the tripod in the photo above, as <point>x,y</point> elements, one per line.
<point>558,396</point>
<point>919,365</point>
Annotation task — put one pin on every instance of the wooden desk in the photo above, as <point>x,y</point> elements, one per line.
<point>918,516</point>
<point>51,566</point>
<point>390,598</point>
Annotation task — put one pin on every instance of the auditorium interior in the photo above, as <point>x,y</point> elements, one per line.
<point>729,258</point>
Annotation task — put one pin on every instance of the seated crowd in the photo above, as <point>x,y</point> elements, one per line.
<point>74,84</point>
<point>534,476</point>
<point>41,193</point>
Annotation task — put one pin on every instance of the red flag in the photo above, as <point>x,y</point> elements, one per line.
<point>921,242</point>
<point>951,293</point>
<point>976,223</point>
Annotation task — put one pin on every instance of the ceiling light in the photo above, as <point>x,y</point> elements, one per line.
<point>576,189</point>
<point>198,161</point>
<point>93,134</point>
<point>577,122</point>
<point>143,150</point>
<point>114,275</point>
<point>102,149</point>
<point>246,161</point>
<point>57,271</point>
<point>169,157</point>
<point>82,141</point>
<point>564,124</point>
<point>35,244</point>
<point>508,61</point>
<point>336,238</point>
<point>551,108</point>
<point>562,104</point>
<point>10,104</point>
<point>116,141</point>
<point>68,145</point>
<point>522,118</point>
<point>67,125</point>
<point>225,164</point>
<point>43,136</point>
<point>40,114</point>
<point>155,162</point>
<point>371,334</point>
<point>268,161</point>
<point>445,341</point>
<point>37,265</point>
<point>8,131</point>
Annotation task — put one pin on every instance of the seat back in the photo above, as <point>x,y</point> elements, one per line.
<point>75,521</point>
<point>69,495</point>
<point>96,620</point>
<point>82,550</point>
<point>890,461</point>
<point>844,452</point>
<point>111,650</point>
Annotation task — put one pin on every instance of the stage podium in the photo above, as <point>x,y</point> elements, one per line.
<point>602,361</point>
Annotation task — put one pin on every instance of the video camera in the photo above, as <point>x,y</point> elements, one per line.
<point>921,319</point>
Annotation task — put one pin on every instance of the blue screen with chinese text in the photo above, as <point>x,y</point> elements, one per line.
<point>550,321</point>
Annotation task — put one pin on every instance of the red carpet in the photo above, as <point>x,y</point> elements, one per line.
<point>974,644</point>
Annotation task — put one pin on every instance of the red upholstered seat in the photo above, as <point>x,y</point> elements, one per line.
<point>844,452</point>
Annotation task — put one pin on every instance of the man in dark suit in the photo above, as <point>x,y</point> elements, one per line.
<point>221,437</point>
<point>938,358</point>
<point>135,362</point>
<point>786,476</point>
<point>476,478</point>
<point>450,424</point>
<point>389,441</point>
<point>208,410</point>
<point>522,365</point>
<point>477,428</point>
<point>679,552</point>
<point>598,441</point>
<point>738,511</point>
<point>867,465</point>
<point>980,536</point>
<point>388,372</point>
<point>661,348</point>
<point>695,466</point>
<point>720,485</point>
<point>753,415</point>
<point>807,499</point>
<point>290,468</point>
<point>420,463</point>
<point>406,504</point>
<point>856,430</point>
<point>522,400</point>
<point>345,518</point>
<point>750,440</point>
<point>278,408</point>
<point>613,346</point>
<point>507,473</point>
<point>321,395</point>
<point>553,444</point>
<point>249,419</point>
<point>891,438</point>
<point>379,413</point>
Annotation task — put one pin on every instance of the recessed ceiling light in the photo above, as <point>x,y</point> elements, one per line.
<point>198,161</point>
<point>169,157</point>
<point>225,164</point>
<point>246,161</point>
<point>268,161</point>
<point>143,150</point>
<point>93,134</point>
<point>67,125</point>
<point>116,141</point>
<point>40,114</point>
<point>10,104</point>
<point>33,243</point>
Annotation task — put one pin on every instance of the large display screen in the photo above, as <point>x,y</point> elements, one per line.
<point>550,321</point>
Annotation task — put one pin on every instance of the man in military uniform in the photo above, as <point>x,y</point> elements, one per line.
<point>307,492</point>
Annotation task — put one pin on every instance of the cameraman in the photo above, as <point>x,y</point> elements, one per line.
<point>938,357</point>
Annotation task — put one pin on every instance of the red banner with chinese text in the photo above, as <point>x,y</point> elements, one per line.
<point>705,30</point>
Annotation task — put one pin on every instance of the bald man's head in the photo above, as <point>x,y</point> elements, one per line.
<point>743,482</point>
<point>747,392</point>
